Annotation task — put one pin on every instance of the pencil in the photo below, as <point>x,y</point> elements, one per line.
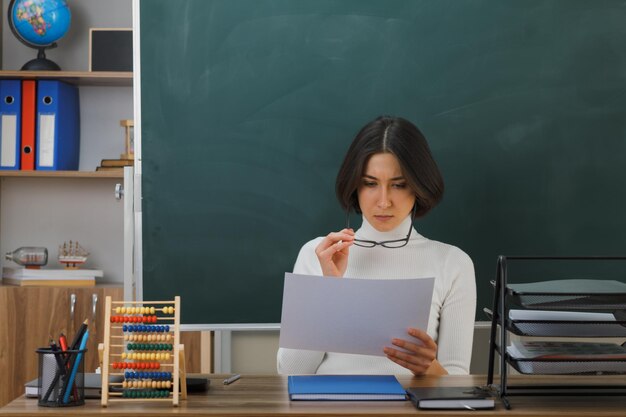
<point>64,347</point>
<point>58,372</point>
<point>79,357</point>
<point>79,335</point>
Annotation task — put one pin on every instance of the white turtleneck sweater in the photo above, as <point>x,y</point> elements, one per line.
<point>451,322</point>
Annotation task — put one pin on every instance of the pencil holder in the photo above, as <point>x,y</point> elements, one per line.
<point>61,378</point>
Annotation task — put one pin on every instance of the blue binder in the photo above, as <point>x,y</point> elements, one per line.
<point>10,123</point>
<point>58,126</point>
<point>345,388</point>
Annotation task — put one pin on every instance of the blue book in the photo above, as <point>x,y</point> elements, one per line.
<point>345,388</point>
<point>10,123</point>
<point>58,126</point>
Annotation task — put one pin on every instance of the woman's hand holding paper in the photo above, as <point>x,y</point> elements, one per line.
<point>419,357</point>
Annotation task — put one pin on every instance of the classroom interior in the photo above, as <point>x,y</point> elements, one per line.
<point>58,209</point>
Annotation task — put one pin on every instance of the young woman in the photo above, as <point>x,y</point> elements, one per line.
<point>390,177</point>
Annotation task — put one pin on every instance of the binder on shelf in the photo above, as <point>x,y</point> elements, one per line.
<point>29,122</point>
<point>58,126</point>
<point>10,123</point>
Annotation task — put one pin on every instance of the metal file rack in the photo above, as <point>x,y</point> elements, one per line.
<point>563,300</point>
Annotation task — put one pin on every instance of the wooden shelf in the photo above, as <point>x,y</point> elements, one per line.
<point>64,174</point>
<point>91,78</point>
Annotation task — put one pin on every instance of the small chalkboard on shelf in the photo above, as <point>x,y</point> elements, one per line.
<point>110,49</point>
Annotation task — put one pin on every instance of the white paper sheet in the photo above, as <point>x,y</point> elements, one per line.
<point>352,315</point>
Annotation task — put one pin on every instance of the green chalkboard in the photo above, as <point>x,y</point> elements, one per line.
<point>249,105</point>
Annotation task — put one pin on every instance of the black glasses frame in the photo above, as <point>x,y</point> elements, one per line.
<point>389,244</point>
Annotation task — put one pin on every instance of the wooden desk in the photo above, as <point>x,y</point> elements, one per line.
<point>267,395</point>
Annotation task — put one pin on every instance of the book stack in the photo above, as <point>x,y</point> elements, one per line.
<point>26,277</point>
<point>115,164</point>
<point>92,384</point>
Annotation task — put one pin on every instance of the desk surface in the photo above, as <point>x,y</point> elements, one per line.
<point>267,395</point>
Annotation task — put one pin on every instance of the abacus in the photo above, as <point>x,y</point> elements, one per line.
<point>142,344</point>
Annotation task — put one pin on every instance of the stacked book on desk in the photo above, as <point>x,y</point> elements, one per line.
<point>92,384</point>
<point>26,277</point>
<point>115,164</point>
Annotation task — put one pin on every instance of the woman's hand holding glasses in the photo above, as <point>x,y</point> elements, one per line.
<point>333,251</point>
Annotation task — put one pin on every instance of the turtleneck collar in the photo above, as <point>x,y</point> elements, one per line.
<point>368,232</point>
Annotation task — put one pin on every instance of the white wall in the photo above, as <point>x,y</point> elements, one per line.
<point>46,212</point>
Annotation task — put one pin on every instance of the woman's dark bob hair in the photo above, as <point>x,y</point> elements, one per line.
<point>402,139</point>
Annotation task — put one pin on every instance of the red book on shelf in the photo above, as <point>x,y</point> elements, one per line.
<point>29,100</point>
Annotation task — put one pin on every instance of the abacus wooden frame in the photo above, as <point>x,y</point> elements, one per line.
<point>178,374</point>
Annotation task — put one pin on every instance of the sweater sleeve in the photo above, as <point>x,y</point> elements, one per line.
<point>297,361</point>
<point>456,322</point>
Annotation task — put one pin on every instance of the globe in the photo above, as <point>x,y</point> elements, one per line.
<point>39,24</point>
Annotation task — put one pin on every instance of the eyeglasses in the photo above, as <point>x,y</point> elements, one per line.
<point>391,244</point>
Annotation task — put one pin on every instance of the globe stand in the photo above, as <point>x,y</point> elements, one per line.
<point>35,16</point>
<point>41,63</point>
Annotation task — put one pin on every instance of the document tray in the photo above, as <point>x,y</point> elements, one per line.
<point>581,295</point>
<point>553,366</point>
